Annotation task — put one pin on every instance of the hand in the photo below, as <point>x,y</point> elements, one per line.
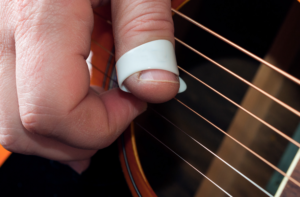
<point>47,107</point>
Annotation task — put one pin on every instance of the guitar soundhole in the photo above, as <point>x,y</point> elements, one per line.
<point>254,25</point>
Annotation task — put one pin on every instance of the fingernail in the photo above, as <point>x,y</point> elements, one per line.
<point>158,75</point>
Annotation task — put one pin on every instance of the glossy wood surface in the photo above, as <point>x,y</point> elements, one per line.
<point>292,190</point>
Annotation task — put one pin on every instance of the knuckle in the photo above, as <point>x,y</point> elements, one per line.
<point>30,122</point>
<point>12,142</point>
<point>36,120</point>
<point>7,139</point>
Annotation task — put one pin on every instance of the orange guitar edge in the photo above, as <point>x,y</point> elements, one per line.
<point>103,62</point>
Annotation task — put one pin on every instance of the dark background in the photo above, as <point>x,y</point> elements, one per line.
<point>253,24</point>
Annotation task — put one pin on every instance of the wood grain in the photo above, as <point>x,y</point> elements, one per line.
<point>292,190</point>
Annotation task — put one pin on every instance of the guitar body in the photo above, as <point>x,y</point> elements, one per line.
<point>102,48</point>
<point>283,52</point>
<point>102,40</point>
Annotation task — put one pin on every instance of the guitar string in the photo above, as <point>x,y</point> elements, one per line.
<point>94,41</point>
<point>244,176</point>
<point>186,161</point>
<point>242,79</point>
<point>242,108</point>
<point>290,178</point>
<point>106,20</point>
<point>174,151</point>
<point>241,144</point>
<point>292,78</point>
<point>239,106</point>
<point>286,106</point>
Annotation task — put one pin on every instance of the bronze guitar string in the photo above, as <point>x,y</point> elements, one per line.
<point>252,182</point>
<point>248,149</point>
<point>292,78</point>
<point>268,163</point>
<point>242,108</point>
<point>183,158</point>
<point>94,41</point>
<point>241,144</point>
<point>227,70</point>
<point>242,79</point>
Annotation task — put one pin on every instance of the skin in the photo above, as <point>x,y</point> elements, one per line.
<point>47,107</point>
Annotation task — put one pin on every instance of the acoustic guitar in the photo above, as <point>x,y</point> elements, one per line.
<point>244,140</point>
<point>215,139</point>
